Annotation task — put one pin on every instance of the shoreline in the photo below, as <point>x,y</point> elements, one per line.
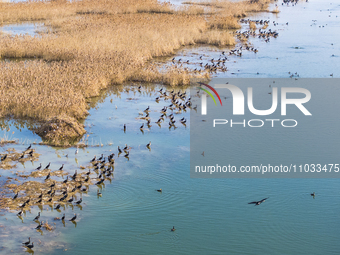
<point>106,66</point>
<point>132,199</point>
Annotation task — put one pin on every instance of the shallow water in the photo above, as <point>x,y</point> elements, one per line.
<point>308,45</point>
<point>211,215</point>
<point>31,29</point>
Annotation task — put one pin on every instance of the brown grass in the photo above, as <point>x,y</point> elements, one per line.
<point>228,22</point>
<point>47,226</point>
<point>217,37</point>
<point>90,45</point>
<point>60,130</point>
<point>276,10</point>
<point>252,25</point>
<point>173,76</point>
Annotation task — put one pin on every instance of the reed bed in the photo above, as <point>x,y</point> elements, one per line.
<point>276,10</point>
<point>90,45</point>
<point>173,76</point>
<point>252,25</point>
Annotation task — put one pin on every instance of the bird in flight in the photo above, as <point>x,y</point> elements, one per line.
<point>259,202</point>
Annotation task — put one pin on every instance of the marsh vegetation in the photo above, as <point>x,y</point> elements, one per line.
<point>88,46</point>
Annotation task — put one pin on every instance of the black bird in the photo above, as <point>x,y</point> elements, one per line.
<point>100,182</point>
<point>101,157</point>
<point>28,200</point>
<point>49,164</point>
<point>39,167</point>
<point>149,144</point>
<point>37,218</point>
<point>99,194</point>
<point>119,150</point>
<point>75,175</point>
<point>87,179</point>
<point>159,190</point>
<point>30,246</point>
<point>142,126</point>
<point>39,226</point>
<point>74,217</point>
<point>50,191</point>
<point>94,159</point>
<point>84,189</point>
<point>173,228</point>
<point>259,202</point>
<point>70,200</point>
<point>22,156</point>
<point>57,207</point>
<point>313,194</point>
<point>63,198</point>
<point>16,195</point>
<point>28,242</point>
<point>29,147</point>
<point>48,176</point>
<point>63,218</point>
<point>20,213</point>
<point>4,157</point>
<point>41,195</point>
<point>61,168</point>
<point>31,153</point>
<point>127,154</point>
<point>52,185</point>
<point>66,180</point>
<point>124,127</point>
<point>79,201</point>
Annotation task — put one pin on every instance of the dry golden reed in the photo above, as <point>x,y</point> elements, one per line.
<point>252,25</point>
<point>276,10</point>
<point>90,45</point>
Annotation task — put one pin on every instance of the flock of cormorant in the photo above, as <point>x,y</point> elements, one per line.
<point>61,193</point>
<point>219,65</point>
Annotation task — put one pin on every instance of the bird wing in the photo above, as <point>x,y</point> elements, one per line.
<point>255,202</point>
<point>264,199</point>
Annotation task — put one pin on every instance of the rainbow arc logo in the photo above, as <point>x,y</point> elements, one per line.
<point>209,93</point>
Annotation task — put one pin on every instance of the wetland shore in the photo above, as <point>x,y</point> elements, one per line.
<point>86,47</point>
<point>120,207</point>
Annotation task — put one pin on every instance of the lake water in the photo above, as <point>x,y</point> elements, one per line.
<point>211,216</point>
